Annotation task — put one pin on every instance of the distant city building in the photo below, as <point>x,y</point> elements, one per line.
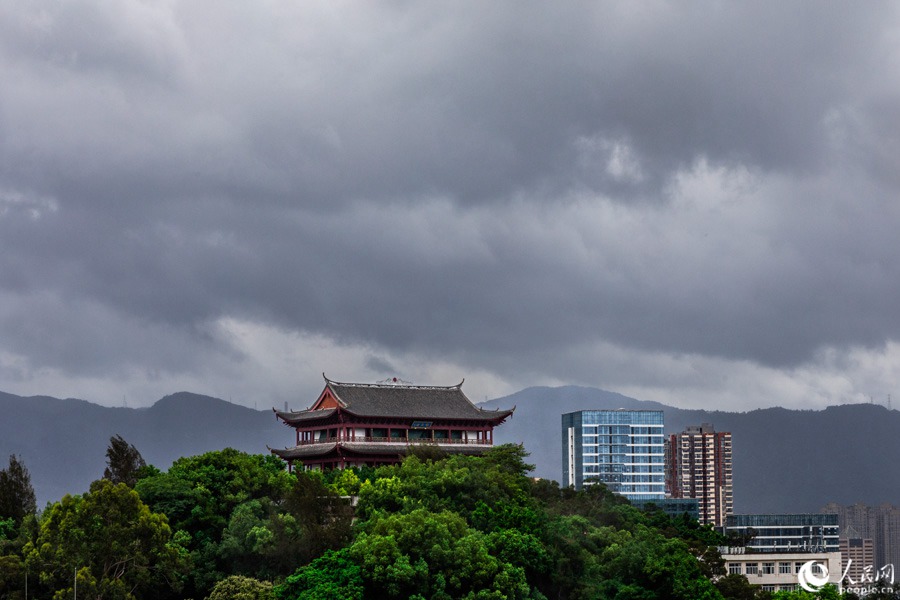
<point>358,424</point>
<point>698,465</point>
<point>857,555</point>
<point>674,507</point>
<point>779,571</point>
<point>786,532</point>
<point>881,524</point>
<point>623,449</point>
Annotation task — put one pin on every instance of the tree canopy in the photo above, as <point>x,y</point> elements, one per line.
<point>123,462</point>
<point>227,524</point>
<point>16,494</point>
<point>479,527</point>
<point>118,547</point>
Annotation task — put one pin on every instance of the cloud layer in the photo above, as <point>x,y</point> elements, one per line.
<point>690,202</point>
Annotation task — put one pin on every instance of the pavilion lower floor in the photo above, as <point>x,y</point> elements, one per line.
<point>341,455</point>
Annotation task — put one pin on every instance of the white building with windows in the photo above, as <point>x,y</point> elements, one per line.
<point>780,571</point>
<point>781,550</point>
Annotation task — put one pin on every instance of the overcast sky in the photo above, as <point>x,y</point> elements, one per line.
<point>690,202</point>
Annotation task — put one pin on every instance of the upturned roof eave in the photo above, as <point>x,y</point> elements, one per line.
<point>292,420</point>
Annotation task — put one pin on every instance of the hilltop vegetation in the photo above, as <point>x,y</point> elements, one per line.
<point>228,524</point>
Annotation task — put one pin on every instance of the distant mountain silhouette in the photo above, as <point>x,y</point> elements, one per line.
<point>784,460</point>
<point>63,442</point>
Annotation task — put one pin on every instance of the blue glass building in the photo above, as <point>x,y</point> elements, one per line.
<point>786,533</point>
<point>623,449</point>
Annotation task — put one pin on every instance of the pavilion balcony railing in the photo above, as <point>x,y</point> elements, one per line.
<point>407,441</point>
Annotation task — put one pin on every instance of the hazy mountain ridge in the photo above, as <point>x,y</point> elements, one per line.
<point>784,460</point>
<point>63,442</point>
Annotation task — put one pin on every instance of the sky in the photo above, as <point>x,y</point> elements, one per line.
<point>691,202</point>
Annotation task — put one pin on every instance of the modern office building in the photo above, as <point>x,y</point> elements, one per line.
<point>785,533</point>
<point>623,449</point>
<point>698,465</point>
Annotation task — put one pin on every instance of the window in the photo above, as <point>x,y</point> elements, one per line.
<point>734,568</point>
<point>751,568</point>
<point>768,568</point>
<point>784,568</point>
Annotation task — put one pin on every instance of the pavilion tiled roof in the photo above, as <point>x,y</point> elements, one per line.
<point>400,401</point>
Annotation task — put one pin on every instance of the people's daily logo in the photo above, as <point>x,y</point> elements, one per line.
<point>813,576</point>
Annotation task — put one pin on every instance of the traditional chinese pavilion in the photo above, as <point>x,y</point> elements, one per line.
<point>357,424</point>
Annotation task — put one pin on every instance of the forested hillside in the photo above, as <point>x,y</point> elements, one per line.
<point>231,525</point>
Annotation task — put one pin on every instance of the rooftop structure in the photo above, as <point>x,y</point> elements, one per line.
<point>357,424</point>
<point>786,532</point>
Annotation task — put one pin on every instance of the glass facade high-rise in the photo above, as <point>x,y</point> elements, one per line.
<point>623,449</point>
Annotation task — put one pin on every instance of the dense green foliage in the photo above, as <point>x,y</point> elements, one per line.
<point>227,524</point>
<point>464,527</point>
<point>17,522</point>
<point>242,514</point>
<point>117,546</point>
<point>238,587</point>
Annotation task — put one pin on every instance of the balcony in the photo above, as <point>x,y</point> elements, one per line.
<point>398,440</point>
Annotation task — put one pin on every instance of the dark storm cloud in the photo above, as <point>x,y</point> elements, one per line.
<point>488,185</point>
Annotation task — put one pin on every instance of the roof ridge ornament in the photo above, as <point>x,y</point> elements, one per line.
<point>394,381</point>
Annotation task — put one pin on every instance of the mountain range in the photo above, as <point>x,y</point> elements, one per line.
<point>784,460</point>
<point>63,442</point>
